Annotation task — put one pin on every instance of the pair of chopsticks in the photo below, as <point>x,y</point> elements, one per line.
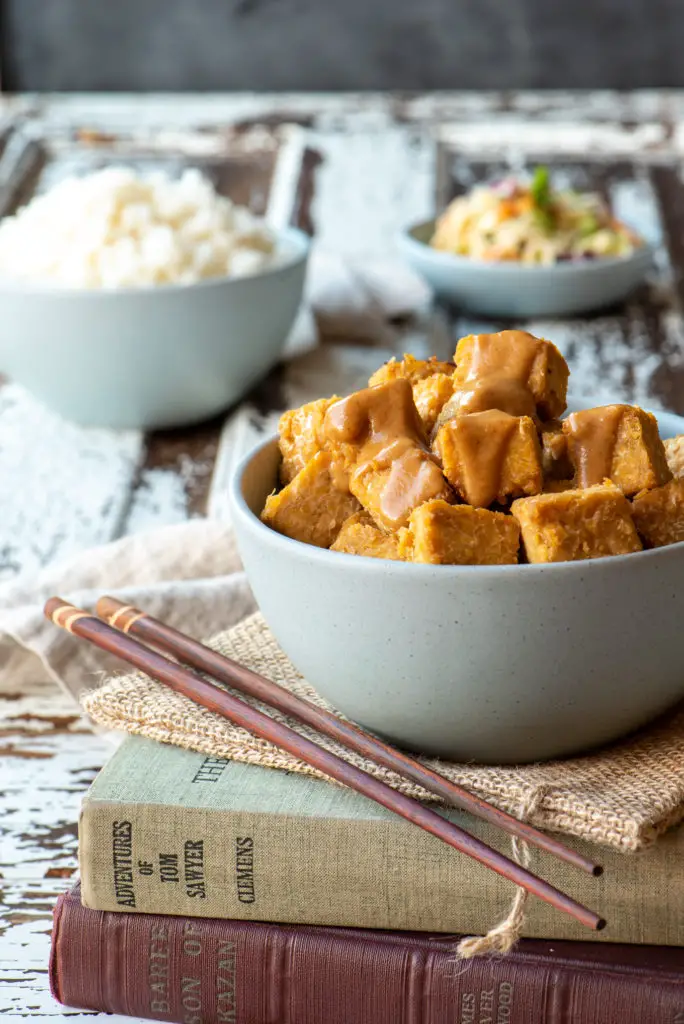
<point>118,624</point>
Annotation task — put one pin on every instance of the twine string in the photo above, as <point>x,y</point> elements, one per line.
<point>504,935</point>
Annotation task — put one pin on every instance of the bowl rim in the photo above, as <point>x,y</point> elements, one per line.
<point>644,253</point>
<point>383,565</point>
<point>42,290</point>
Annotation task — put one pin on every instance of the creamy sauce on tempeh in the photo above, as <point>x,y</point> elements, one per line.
<point>384,424</point>
<point>374,417</point>
<point>414,478</point>
<point>508,354</point>
<point>498,377</point>
<point>483,440</point>
<point>493,392</point>
<point>592,436</point>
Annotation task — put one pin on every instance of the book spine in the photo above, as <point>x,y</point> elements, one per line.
<point>229,972</point>
<point>364,873</point>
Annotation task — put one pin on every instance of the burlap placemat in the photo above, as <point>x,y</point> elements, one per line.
<point>623,796</point>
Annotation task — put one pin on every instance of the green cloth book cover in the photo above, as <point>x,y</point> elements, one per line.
<point>169,831</point>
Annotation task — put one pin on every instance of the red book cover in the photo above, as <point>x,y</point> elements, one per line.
<point>204,971</point>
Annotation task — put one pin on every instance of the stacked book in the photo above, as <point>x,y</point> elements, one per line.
<point>225,893</point>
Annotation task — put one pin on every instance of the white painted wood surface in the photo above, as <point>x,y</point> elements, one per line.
<point>66,489</point>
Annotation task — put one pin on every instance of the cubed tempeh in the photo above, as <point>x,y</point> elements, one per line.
<point>659,514</point>
<point>360,536</point>
<point>391,492</point>
<point>301,436</point>
<point>409,368</point>
<point>443,534</point>
<point>431,395</point>
<point>313,506</point>
<point>576,524</point>
<point>358,427</point>
<point>490,456</point>
<point>618,443</point>
<point>534,362</point>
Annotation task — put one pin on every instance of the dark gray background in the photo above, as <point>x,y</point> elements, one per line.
<point>346,44</point>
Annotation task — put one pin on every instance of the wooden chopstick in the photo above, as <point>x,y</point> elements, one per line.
<point>215,698</point>
<point>183,648</point>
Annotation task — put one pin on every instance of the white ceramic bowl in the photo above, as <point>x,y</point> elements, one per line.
<point>517,290</point>
<point>151,357</point>
<point>497,664</point>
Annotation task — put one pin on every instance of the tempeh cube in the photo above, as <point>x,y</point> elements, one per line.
<point>535,362</point>
<point>576,524</point>
<point>618,443</point>
<point>431,395</point>
<point>360,536</point>
<point>409,368</point>
<point>300,436</point>
<point>674,453</point>
<point>390,492</point>
<point>659,514</point>
<point>360,426</point>
<point>313,506</point>
<point>443,534</point>
<point>490,456</point>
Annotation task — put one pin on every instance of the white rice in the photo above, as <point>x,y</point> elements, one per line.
<point>119,229</point>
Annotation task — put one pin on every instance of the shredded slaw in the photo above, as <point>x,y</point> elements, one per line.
<point>529,222</point>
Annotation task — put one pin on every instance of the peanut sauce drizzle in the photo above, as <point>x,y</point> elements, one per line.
<point>374,417</point>
<point>414,479</point>
<point>508,354</point>
<point>498,377</point>
<point>494,394</point>
<point>592,436</point>
<point>483,439</point>
<point>494,391</point>
<point>384,424</point>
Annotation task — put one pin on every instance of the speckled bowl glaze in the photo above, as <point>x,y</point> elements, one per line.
<point>496,664</point>
<point>149,358</point>
<point>517,290</point>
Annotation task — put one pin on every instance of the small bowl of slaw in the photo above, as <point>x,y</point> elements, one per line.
<point>521,249</point>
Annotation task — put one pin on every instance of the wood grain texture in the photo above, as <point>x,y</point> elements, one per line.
<point>374,162</point>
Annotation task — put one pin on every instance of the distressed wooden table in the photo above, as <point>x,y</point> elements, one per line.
<point>351,170</point>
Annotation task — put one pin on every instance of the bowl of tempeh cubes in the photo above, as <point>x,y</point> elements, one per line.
<point>459,562</point>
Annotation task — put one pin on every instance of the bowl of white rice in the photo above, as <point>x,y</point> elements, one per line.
<point>143,301</point>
